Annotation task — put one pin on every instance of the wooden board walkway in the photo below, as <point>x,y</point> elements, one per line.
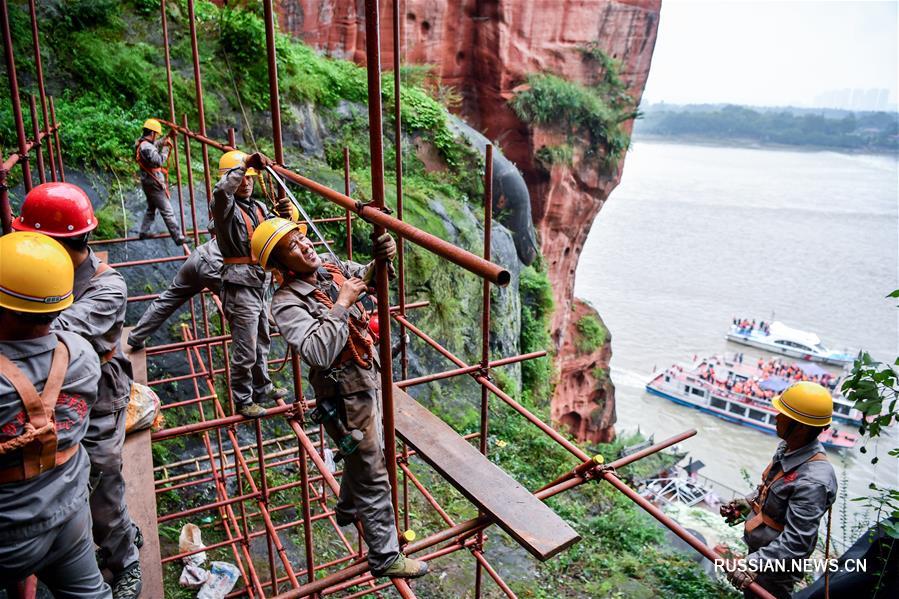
<point>139,488</point>
<point>524,517</point>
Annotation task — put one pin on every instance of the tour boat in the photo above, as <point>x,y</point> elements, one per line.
<point>781,339</point>
<point>682,384</point>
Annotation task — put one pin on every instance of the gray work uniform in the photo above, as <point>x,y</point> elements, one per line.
<point>202,270</point>
<point>154,155</point>
<point>319,335</point>
<point>45,521</point>
<point>798,500</point>
<point>98,315</point>
<point>243,288</point>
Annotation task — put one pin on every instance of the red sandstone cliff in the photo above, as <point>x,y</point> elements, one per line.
<point>486,48</point>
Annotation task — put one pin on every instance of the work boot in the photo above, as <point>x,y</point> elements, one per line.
<point>143,235</point>
<point>345,519</point>
<point>134,343</point>
<point>404,567</point>
<point>251,410</point>
<point>179,241</point>
<point>127,583</point>
<point>272,395</point>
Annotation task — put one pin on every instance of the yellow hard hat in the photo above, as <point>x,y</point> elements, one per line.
<point>36,273</point>
<point>806,402</point>
<point>234,158</point>
<point>153,125</point>
<point>268,234</point>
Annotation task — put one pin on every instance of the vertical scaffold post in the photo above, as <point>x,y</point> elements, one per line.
<point>401,267</point>
<point>55,126</point>
<point>168,78</point>
<point>42,93</point>
<point>346,191</point>
<point>485,334</point>
<point>36,130</point>
<point>14,97</point>
<point>201,114</point>
<point>274,96</point>
<point>373,60</point>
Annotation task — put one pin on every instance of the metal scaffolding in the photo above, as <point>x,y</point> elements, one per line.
<point>240,478</point>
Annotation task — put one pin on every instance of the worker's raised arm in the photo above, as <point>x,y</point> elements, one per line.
<point>223,193</point>
<point>154,155</point>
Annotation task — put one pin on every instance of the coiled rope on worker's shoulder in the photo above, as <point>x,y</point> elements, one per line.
<point>358,342</point>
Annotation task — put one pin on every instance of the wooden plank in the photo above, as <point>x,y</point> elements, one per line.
<point>527,519</point>
<point>139,488</point>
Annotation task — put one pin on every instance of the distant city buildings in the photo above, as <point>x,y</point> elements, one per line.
<point>856,99</point>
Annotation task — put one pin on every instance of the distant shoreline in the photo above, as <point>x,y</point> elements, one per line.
<point>751,144</point>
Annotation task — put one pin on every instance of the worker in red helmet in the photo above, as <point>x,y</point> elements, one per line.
<point>151,152</point>
<point>63,211</point>
<point>317,310</point>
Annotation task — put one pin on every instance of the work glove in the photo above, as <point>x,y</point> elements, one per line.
<point>739,579</point>
<point>257,161</point>
<point>282,207</point>
<point>735,511</point>
<point>385,247</point>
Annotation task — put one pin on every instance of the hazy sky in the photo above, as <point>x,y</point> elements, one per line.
<point>772,52</point>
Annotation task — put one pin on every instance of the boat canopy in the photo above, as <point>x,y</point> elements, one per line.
<point>779,330</point>
<point>774,383</point>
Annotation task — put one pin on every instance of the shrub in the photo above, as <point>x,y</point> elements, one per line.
<point>591,334</point>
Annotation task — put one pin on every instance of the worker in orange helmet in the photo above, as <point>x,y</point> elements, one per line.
<point>317,310</point>
<point>798,487</point>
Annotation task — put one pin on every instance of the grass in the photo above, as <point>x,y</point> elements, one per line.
<point>591,334</point>
<point>596,110</point>
<point>536,309</point>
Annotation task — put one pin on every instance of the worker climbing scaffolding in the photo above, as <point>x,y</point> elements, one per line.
<point>151,153</point>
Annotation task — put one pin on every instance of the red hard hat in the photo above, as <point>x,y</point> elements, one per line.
<point>57,210</point>
<point>374,326</point>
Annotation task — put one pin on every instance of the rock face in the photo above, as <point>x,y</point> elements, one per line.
<point>486,48</point>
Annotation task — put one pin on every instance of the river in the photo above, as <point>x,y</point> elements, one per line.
<point>695,235</point>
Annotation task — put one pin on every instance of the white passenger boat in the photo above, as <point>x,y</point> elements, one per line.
<point>689,385</point>
<point>781,339</point>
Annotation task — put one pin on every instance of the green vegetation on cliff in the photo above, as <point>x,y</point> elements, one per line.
<point>597,110</point>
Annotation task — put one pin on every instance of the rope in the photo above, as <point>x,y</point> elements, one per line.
<point>358,342</point>
<point>827,557</point>
<point>28,435</point>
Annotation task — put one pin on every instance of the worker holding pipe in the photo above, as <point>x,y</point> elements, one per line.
<point>318,311</point>
<point>151,152</point>
<point>48,384</point>
<point>202,270</point>
<point>63,211</point>
<point>798,487</point>
<point>237,215</point>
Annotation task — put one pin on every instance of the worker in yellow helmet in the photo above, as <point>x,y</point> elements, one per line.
<point>318,312</point>
<point>244,282</point>
<point>151,152</point>
<point>48,383</point>
<point>798,487</point>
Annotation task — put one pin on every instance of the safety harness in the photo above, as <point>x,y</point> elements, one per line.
<point>757,506</point>
<point>359,345</point>
<point>152,170</point>
<point>251,259</point>
<point>38,441</point>
<point>102,268</point>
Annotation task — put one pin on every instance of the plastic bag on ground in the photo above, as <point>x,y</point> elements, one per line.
<point>222,577</point>
<point>192,577</point>
<point>190,540</point>
<point>143,408</point>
